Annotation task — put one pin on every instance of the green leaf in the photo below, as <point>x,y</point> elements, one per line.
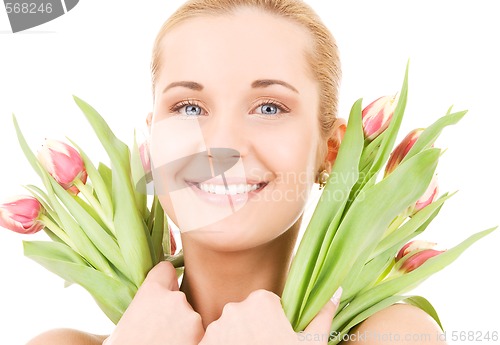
<point>112,295</point>
<point>91,211</point>
<point>431,133</point>
<point>55,250</point>
<point>417,301</point>
<point>425,305</point>
<point>358,318</point>
<point>369,275</point>
<point>106,175</point>
<point>138,180</point>
<point>159,222</point>
<point>370,152</point>
<point>330,206</point>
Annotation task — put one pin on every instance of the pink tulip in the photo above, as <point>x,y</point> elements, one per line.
<point>144,153</point>
<point>402,150</point>
<point>414,246</point>
<point>173,245</point>
<point>377,116</point>
<point>418,259</point>
<point>429,196</point>
<point>20,214</point>
<point>64,163</point>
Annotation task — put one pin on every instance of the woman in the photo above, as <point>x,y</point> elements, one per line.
<point>244,122</point>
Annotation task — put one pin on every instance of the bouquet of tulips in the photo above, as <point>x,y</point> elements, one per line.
<point>359,237</point>
<point>106,236</point>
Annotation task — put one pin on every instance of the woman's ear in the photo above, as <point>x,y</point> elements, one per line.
<point>334,143</point>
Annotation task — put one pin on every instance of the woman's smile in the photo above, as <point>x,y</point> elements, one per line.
<point>224,191</point>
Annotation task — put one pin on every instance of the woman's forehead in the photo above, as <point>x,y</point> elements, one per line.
<point>248,42</point>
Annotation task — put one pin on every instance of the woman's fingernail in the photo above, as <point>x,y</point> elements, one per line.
<point>336,296</point>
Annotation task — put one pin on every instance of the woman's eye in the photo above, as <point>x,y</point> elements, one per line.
<point>268,109</point>
<point>271,109</point>
<point>192,110</point>
<point>187,109</point>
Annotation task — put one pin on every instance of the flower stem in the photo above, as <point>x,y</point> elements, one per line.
<point>57,231</point>
<point>87,193</point>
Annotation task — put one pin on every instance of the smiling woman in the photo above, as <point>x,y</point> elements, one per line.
<point>238,135</point>
<point>244,121</point>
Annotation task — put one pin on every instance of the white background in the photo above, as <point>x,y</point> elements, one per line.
<point>100,51</point>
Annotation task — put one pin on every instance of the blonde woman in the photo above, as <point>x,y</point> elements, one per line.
<point>244,122</point>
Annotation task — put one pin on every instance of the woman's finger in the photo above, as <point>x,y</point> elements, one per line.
<point>320,325</point>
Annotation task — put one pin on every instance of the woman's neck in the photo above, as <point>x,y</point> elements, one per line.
<point>212,279</point>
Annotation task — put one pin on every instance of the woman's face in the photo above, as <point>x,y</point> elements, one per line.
<point>235,127</point>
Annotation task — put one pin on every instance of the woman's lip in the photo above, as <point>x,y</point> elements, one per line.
<point>227,180</point>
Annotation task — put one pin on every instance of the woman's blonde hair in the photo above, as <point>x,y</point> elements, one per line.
<point>323,60</point>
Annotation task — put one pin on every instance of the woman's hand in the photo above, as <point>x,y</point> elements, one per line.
<point>260,320</point>
<point>158,314</point>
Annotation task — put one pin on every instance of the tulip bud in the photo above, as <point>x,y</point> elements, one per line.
<point>418,259</point>
<point>63,163</point>
<point>377,116</point>
<point>145,160</point>
<point>429,196</point>
<point>21,214</point>
<point>402,150</point>
<point>173,245</point>
<point>414,246</point>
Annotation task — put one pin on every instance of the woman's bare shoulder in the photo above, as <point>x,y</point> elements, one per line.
<point>66,336</point>
<point>398,324</point>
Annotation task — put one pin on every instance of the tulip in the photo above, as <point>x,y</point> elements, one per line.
<point>144,153</point>
<point>429,196</point>
<point>402,150</point>
<point>414,246</point>
<point>146,162</point>
<point>418,259</point>
<point>377,116</point>
<point>63,163</point>
<point>173,245</point>
<point>20,214</point>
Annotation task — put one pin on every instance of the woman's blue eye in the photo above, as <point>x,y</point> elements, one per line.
<point>269,109</point>
<point>192,110</point>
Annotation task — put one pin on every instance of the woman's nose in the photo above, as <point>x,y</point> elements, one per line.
<point>225,137</point>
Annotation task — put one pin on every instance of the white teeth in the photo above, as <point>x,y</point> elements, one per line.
<point>232,189</point>
<point>219,189</point>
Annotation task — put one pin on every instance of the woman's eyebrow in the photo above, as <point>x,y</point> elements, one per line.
<point>188,84</point>
<point>269,82</point>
